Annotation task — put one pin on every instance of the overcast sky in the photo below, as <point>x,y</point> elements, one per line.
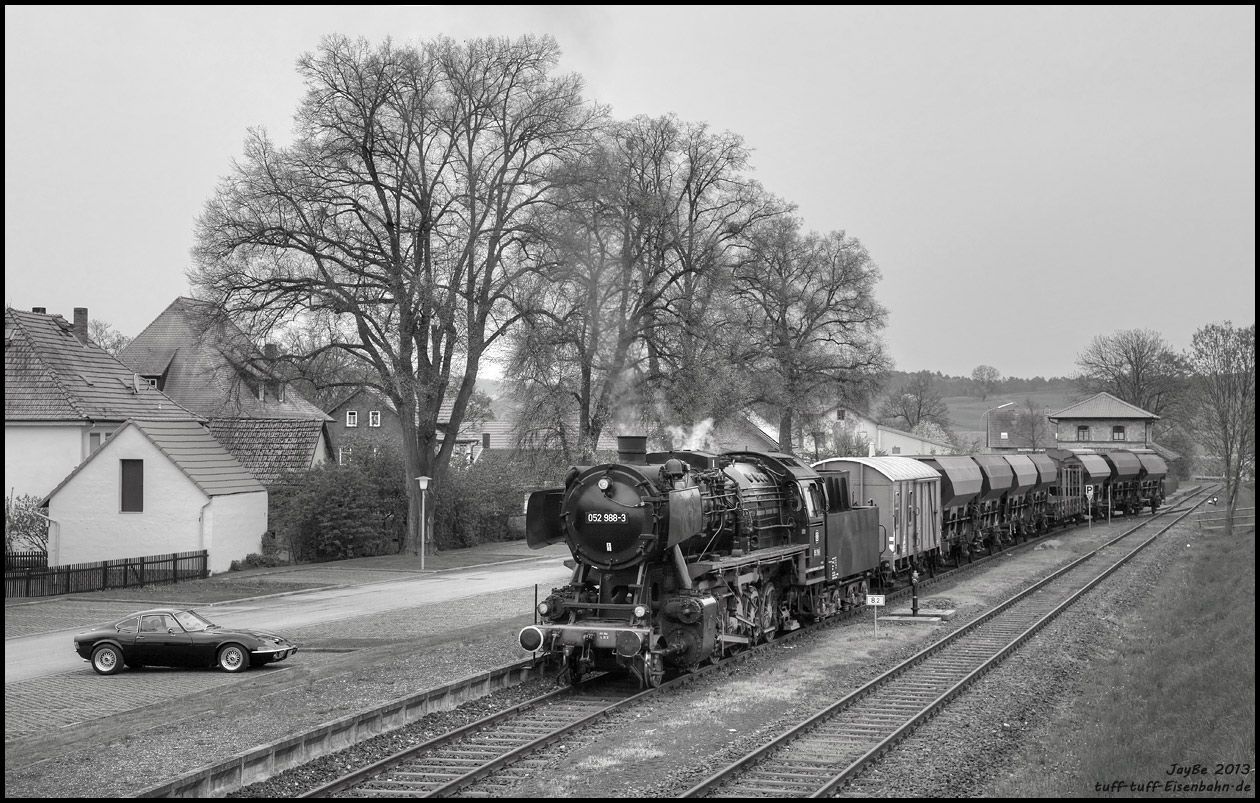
<point>1026,178</point>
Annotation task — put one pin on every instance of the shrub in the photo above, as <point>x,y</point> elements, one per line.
<point>24,529</point>
<point>335,512</point>
<point>474,503</point>
<point>255,561</point>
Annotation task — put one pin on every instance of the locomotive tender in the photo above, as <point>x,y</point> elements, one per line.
<point>683,556</point>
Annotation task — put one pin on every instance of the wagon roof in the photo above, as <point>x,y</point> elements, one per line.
<point>894,468</point>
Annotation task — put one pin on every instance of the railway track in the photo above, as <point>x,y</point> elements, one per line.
<point>507,746</point>
<point>501,742</point>
<point>819,756</point>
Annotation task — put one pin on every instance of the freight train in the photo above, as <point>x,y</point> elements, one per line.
<point>680,557</point>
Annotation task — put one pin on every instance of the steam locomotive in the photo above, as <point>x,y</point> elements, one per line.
<point>682,556</point>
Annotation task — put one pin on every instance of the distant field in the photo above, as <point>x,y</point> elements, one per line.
<point>965,411</point>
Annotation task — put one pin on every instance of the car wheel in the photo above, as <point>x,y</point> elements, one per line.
<point>107,660</point>
<point>233,658</point>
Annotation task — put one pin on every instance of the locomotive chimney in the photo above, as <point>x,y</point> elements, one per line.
<point>632,449</point>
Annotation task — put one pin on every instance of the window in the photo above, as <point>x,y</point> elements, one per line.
<point>352,418</point>
<point>839,415</point>
<point>374,418</point>
<point>94,442</point>
<point>344,454</point>
<point>160,623</point>
<point>1082,433</point>
<point>1117,433</point>
<point>485,440</point>
<point>896,450</point>
<point>132,486</point>
<point>151,381</point>
<point>1002,436</point>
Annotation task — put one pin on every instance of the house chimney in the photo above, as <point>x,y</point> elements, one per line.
<point>271,351</point>
<point>80,328</point>
<point>40,310</point>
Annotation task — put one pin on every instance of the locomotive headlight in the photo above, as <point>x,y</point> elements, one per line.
<point>628,643</point>
<point>640,611</point>
<point>531,639</point>
<point>604,483</point>
<point>543,608</point>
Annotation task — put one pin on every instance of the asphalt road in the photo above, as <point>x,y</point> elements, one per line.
<point>46,654</point>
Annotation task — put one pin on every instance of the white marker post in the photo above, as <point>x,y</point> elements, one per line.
<point>875,601</point>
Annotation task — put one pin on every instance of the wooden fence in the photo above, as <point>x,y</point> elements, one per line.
<point>25,560</point>
<point>78,578</point>
<point>1213,520</point>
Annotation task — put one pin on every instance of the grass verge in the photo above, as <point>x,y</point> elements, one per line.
<point>1172,710</point>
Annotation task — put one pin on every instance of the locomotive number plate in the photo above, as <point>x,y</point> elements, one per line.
<point>606,518</point>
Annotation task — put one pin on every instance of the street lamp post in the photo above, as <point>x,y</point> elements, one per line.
<point>424,519</point>
<point>985,418</point>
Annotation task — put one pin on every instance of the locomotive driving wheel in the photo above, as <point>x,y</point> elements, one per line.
<point>768,613</point>
<point>652,670</point>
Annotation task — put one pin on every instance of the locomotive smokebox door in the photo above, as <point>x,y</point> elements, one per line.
<point>611,516</point>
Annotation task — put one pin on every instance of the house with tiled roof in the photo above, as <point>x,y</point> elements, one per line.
<point>204,361</point>
<point>1103,422</point>
<point>155,488</point>
<point>846,423</point>
<point>122,470</point>
<point>367,420</point>
<point>63,397</point>
<point>1016,429</point>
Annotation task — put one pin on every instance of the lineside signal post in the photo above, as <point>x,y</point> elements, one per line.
<point>875,601</point>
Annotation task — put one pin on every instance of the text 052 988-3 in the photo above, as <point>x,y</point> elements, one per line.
<point>606,518</point>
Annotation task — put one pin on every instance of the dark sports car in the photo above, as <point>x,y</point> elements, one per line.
<point>173,637</point>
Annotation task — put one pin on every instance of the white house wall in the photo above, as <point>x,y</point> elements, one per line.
<point>89,525</point>
<point>37,457</point>
<point>235,524</point>
<point>892,443</point>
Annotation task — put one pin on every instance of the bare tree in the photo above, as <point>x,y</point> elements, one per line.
<point>985,378</point>
<point>644,230</point>
<point>915,400</point>
<point>809,320</point>
<point>1223,360</point>
<point>402,217</point>
<point>1035,425</point>
<point>1136,366</point>
<point>107,337</point>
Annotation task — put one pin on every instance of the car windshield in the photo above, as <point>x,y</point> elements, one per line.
<point>192,622</point>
